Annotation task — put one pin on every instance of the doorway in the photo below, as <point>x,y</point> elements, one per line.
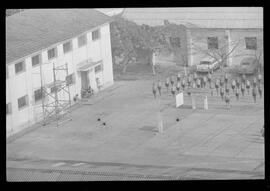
<point>84,79</point>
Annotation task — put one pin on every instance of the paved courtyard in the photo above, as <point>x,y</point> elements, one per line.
<point>218,143</point>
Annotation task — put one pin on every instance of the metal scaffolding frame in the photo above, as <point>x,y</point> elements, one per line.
<point>58,108</point>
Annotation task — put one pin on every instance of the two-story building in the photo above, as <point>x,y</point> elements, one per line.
<point>38,41</point>
<point>235,33</point>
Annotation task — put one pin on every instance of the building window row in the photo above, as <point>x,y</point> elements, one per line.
<point>52,53</point>
<point>23,102</point>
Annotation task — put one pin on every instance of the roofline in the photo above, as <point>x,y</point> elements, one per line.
<point>57,43</point>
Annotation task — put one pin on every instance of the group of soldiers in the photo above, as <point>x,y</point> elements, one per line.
<point>221,85</point>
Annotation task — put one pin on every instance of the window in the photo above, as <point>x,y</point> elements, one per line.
<point>52,53</point>
<point>22,101</point>
<point>67,47</point>
<point>38,94</point>
<point>8,108</point>
<point>95,34</point>
<point>98,68</point>
<point>251,43</point>
<point>70,79</point>
<point>212,42</point>
<point>19,67</point>
<point>175,41</point>
<point>36,60</point>
<point>82,40</point>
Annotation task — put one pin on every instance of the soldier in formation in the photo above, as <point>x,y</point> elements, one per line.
<point>154,90</point>
<point>209,77</point>
<point>247,86</point>
<point>222,91</point>
<point>227,89</point>
<point>243,89</point>
<point>237,92</point>
<point>226,78</point>
<point>254,93</point>
<point>183,83</point>
<point>217,85</point>
<point>233,85</point>
<point>173,90</point>
<point>178,77</point>
<point>172,82</point>
<point>167,83</point>
<point>178,86</point>
<point>260,90</point>
<point>227,99</point>
<point>159,87</point>
<point>238,83</point>
<point>198,83</point>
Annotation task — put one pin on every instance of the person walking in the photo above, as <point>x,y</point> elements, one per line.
<point>154,90</point>
<point>167,83</point>
<point>222,91</point>
<point>237,92</point>
<point>233,85</point>
<point>247,86</point>
<point>260,90</point>
<point>243,89</point>
<point>254,93</point>
<point>217,85</point>
<point>159,87</point>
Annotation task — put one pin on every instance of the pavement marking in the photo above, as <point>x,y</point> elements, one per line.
<point>58,164</point>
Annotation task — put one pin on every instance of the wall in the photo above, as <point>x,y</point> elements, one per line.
<point>29,80</point>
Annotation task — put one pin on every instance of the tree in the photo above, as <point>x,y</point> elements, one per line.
<point>127,38</point>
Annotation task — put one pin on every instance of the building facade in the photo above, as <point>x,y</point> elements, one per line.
<point>85,51</point>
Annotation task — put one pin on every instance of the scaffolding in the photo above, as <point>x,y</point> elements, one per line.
<point>57,109</point>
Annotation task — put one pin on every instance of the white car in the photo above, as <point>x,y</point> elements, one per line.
<point>207,66</point>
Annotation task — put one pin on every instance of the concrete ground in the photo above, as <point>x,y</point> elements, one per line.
<point>218,143</point>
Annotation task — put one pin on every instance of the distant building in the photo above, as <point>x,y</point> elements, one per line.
<point>37,40</point>
<point>237,31</point>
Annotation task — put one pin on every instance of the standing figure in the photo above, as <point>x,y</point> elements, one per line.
<point>173,90</point>
<point>211,88</point>
<point>159,87</point>
<point>260,90</point>
<point>154,90</point>
<point>248,85</point>
<point>178,86</point>
<point>233,85</point>
<point>172,82</point>
<point>221,82</point>
<point>183,83</point>
<point>238,83</point>
<point>222,91</point>
<point>198,82</point>
<point>193,85</point>
<point>195,76</point>
<point>189,80</point>
<point>244,78</point>
<point>217,85</point>
<point>227,89</point>
<point>204,81</point>
<point>237,92</point>
<point>209,77</point>
<point>167,83</point>
<point>226,78</point>
<point>227,100</point>
<point>243,89</point>
<point>178,77</point>
<point>254,82</point>
<point>254,93</point>
<point>259,78</point>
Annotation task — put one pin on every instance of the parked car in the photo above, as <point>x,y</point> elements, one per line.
<point>248,67</point>
<point>208,66</point>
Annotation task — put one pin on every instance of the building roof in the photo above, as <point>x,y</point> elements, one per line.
<point>35,29</point>
<point>111,11</point>
<point>199,17</point>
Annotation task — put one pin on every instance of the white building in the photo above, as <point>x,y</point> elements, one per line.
<point>38,39</point>
<point>206,27</point>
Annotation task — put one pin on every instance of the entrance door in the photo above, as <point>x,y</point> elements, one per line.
<point>85,79</point>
